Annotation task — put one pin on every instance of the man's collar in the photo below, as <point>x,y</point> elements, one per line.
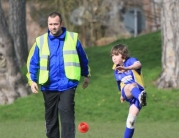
<point>60,37</point>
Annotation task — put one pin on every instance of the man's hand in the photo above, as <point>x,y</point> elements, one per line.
<point>34,87</point>
<point>122,99</point>
<point>86,82</point>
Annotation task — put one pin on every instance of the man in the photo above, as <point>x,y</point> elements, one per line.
<point>56,61</point>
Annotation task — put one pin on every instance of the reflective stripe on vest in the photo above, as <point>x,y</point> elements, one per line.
<point>70,56</point>
<point>42,43</point>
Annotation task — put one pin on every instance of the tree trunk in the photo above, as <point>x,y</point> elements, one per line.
<point>17,28</point>
<point>170,32</point>
<point>12,84</point>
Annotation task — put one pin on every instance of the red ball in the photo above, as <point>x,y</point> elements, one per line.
<point>83,127</point>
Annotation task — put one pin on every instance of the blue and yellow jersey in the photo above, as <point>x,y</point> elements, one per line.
<point>130,76</point>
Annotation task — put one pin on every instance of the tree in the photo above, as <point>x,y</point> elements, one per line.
<point>100,17</point>
<point>169,77</point>
<point>17,28</point>
<point>12,84</point>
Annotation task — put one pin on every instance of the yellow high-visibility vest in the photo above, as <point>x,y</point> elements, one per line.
<point>70,56</point>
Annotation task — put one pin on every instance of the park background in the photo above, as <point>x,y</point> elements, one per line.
<point>99,104</point>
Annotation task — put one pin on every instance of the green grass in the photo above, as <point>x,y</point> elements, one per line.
<point>99,104</point>
<point>35,129</point>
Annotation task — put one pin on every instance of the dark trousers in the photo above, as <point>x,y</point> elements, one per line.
<point>63,103</point>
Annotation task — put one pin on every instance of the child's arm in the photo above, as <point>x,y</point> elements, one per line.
<point>134,66</point>
<point>122,99</point>
<point>119,88</point>
<point>118,84</point>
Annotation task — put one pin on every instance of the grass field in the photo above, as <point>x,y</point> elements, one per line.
<point>99,104</point>
<point>35,129</point>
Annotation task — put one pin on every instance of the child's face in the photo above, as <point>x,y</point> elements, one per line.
<point>117,59</point>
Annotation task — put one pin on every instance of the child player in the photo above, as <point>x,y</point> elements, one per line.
<point>127,71</point>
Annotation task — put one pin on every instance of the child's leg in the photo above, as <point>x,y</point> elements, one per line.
<point>129,131</point>
<point>133,90</point>
<point>133,112</point>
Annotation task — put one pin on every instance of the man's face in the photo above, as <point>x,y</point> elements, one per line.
<point>54,25</point>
